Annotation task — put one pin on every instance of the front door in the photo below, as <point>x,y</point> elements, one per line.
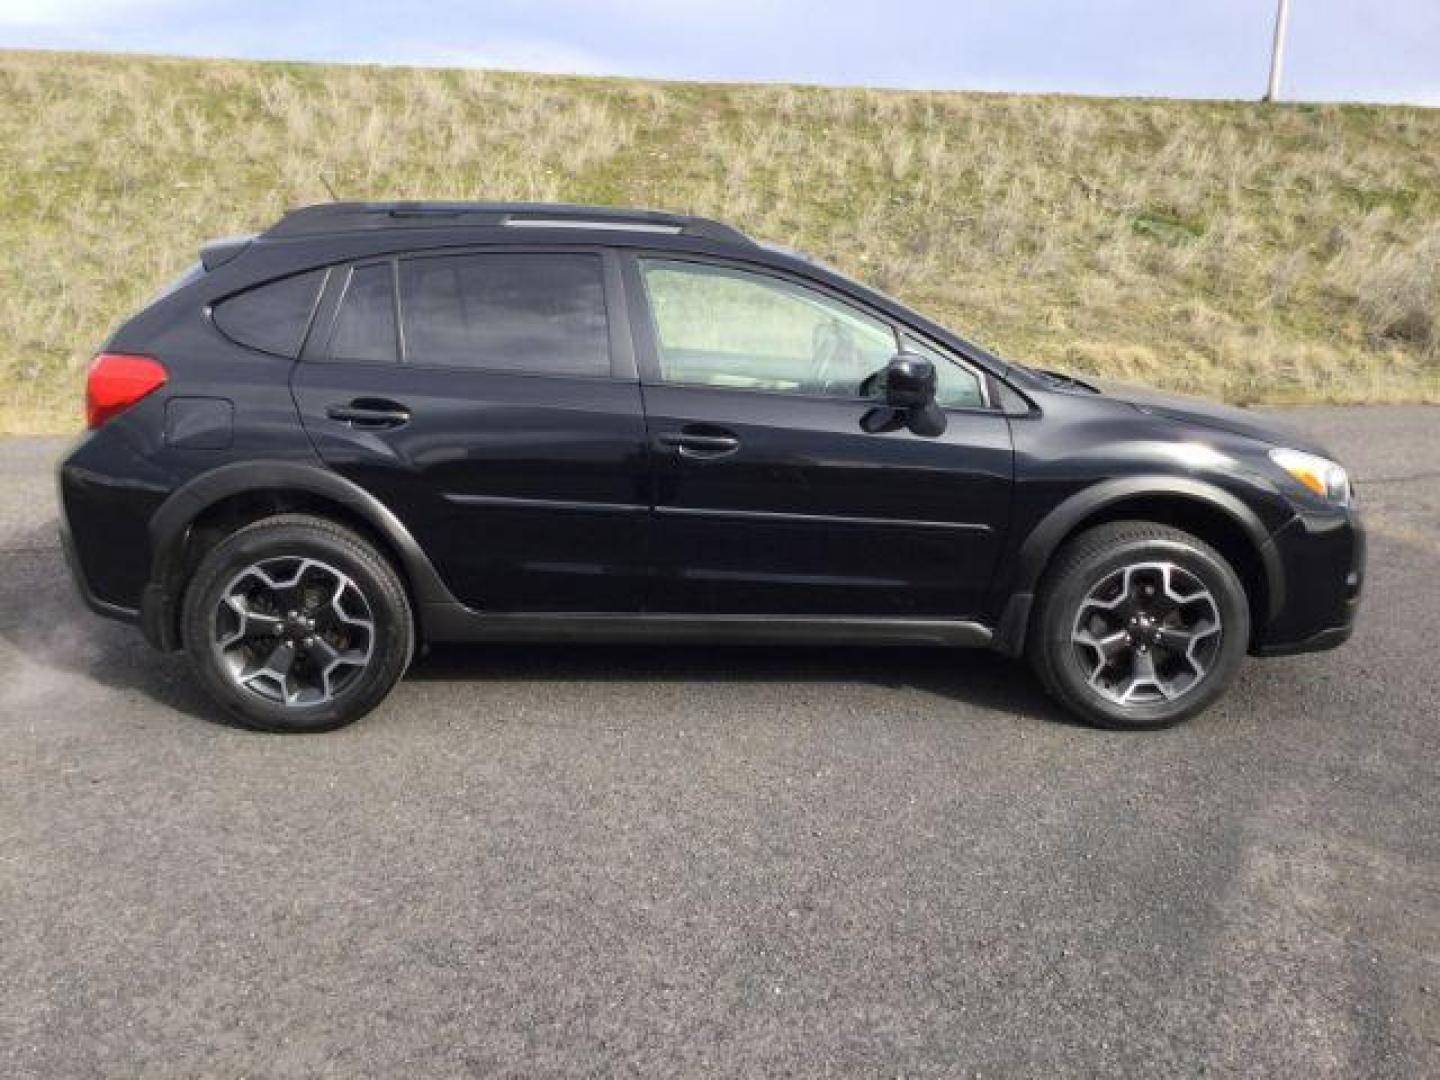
<point>483,398</point>
<point>769,496</point>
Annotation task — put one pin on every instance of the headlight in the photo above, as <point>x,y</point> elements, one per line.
<point>1321,476</point>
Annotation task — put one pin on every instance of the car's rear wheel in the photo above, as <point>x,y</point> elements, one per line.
<point>1139,625</point>
<point>295,623</point>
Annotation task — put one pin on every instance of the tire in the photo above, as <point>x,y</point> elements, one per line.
<point>1110,588</point>
<point>242,611</point>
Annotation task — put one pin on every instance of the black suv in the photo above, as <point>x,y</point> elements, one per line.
<point>384,424</point>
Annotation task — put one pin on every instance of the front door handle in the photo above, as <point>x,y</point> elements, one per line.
<point>370,414</point>
<point>694,444</point>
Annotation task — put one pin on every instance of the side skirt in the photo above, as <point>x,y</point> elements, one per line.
<point>457,623</point>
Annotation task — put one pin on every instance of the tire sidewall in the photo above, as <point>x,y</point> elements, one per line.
<point>1062,608</point>
<point>381,589</point>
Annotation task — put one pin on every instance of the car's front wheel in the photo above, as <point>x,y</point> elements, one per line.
<point>295,623</point>
<point>1139,625</point>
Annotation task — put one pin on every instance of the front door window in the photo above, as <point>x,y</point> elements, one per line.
<point>720,327</point>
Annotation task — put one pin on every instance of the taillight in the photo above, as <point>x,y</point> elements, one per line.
<point>117,381</point>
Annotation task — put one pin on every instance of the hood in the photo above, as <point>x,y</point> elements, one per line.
<point>1193,410</point>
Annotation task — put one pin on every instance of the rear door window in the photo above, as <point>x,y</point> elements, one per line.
<point>272,317</point>
<point>364,329</point>
<point>536,313</point>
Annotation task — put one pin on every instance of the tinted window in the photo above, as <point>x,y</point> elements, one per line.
<point>534,313</point>
<point>272,317</point>
<point>721,327</point>
<point>365,324</point>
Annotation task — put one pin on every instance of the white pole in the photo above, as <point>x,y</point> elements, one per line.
<point>1277,55</point>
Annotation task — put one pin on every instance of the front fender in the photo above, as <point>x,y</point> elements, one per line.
<point>1039,546</point>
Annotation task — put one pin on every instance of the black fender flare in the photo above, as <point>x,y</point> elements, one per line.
<point>170,528</point>
<point>1037,548</point>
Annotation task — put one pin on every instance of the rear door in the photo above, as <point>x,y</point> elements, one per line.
<point>770,497</point>
<point>489,398</point>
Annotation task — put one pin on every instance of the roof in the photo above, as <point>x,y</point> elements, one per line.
<point>347,217</point>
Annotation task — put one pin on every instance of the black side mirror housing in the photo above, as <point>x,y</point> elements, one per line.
<point>907,384</point>
<point>910,381</point>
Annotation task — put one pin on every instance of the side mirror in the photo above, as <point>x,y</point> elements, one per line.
<point>907,384</point>
<point>909,381</point>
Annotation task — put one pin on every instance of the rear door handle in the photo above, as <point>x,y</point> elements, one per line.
<point>696,445</point>
<point>369,414</point>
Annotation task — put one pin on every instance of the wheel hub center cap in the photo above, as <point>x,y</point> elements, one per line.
<point>1143,629</point>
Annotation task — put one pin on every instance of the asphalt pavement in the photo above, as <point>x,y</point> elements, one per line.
<point>663,861</point>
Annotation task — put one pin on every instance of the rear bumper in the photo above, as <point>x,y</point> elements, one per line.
<point>107,494</point>
<point>149,615</point>
<point>1323,557</point>
<point>82,586</point>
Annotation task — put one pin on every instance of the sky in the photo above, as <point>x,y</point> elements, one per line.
<point>1339,50</point>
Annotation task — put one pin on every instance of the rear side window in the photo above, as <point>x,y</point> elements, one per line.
<point>365,324</point>
<point>272,317</point>
<point>541,314</point>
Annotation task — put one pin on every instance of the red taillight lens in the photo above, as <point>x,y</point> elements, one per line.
<point>116,382</point>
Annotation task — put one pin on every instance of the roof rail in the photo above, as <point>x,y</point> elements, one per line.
<point>337,217</point>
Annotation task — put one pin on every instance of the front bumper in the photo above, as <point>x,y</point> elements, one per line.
<point>1323,558</point>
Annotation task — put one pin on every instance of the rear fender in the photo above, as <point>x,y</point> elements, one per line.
<point>170,529</point>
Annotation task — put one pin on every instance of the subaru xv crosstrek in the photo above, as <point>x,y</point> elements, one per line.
<point>380,425</point>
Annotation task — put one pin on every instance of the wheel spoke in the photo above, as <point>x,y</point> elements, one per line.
<point>322,651</point>
<point>1108,648</point>
<point>1142,675</point>
<point>337,608</point>
<point>1111,646</point>
<point>1174,639</point>
<point>248,622</point>
<point>1112,604</point>
<point>275,672</point>
<point>330,660</point>
<point>280,660</point>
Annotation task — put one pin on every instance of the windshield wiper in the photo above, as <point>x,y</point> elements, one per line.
<point>1060,380</point>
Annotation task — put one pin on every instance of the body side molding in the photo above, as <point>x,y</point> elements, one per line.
<point>780,517</point>
<point>559,505</point>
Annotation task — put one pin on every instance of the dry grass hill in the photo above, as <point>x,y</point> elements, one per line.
<point>1256,253</point>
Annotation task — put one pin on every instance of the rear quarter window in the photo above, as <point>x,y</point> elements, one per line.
<point>272,317</point>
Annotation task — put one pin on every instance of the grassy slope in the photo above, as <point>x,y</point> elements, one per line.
<point>1256,253</point>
